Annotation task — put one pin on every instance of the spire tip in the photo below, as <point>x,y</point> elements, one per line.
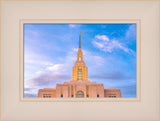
<point>79,39</point>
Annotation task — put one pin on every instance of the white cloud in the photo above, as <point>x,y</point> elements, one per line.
<point>104,43</point>
<point>65,67</point>
<point>55,67</point>
<point>35,62</point>
<point>72,25</point>
<point>33,32</point>
<point>40,62</point>
<point>131,32</point>
<point>58,68</point>
<point>33,58</point>
<point>102,37</point>
<point>107,45</point>
<point>75,49</point>
<point>97,59</point>
<point>98,44</point>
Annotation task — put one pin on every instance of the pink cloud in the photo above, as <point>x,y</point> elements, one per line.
<point>43,79</point>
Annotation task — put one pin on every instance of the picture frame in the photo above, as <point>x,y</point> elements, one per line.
<point>18,13</point>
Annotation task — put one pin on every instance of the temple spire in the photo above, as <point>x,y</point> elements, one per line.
<point>79,39</point>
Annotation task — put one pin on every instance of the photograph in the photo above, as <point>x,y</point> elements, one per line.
<point>80,60</point>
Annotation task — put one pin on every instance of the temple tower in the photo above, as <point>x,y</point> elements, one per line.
<point>79,71</point>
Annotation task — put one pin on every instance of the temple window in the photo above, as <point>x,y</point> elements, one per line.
<point>112,96</point>
<point>47,96</point>
<point>61,95</point>
<point>97,95</point>
<point>79,75</point>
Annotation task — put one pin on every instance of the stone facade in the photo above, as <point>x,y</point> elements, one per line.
<point>47,92</point>
<point>79,86</point>
<point>72,89</point>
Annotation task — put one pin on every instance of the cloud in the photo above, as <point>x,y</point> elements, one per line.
<point>75,49</point>
<point>57,68</point>
<point>131,32</point>
<point>30,95</point>
<point>29,89</point>
<point>44,79</point>
<point>105,44</point>
<point>32,32</point>
<point>99,45</point>
<point>31,57</point>
<point>34,63</point>
<point>127,84</point>
<point>112,76</point>
<point>39,62</point>
<point>102,37</point>
<point>72,25</point>
<point>128,89</point>
<point>63,70</point>
<point>30,92</point>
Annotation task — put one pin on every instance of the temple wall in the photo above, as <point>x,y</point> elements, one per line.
<point>62,89</point>
<point>112,92</point>
<point>47,92</point>
<point>94,90</point>
<point>69,90</point>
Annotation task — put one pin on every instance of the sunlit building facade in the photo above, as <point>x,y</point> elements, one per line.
<point>79,86</point>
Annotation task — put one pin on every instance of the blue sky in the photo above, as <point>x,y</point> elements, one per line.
<point>50,51</point>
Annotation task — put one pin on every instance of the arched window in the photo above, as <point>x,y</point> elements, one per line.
<point>87,95</point>
<point>72,95</point>
<point>61,95</point>
<point>97,95</point>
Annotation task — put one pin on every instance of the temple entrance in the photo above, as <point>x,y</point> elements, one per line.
<point>80,94</point>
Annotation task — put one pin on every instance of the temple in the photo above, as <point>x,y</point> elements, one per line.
<point>79,86</point>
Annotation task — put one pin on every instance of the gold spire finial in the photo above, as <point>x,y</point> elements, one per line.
<point>79,39</point>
